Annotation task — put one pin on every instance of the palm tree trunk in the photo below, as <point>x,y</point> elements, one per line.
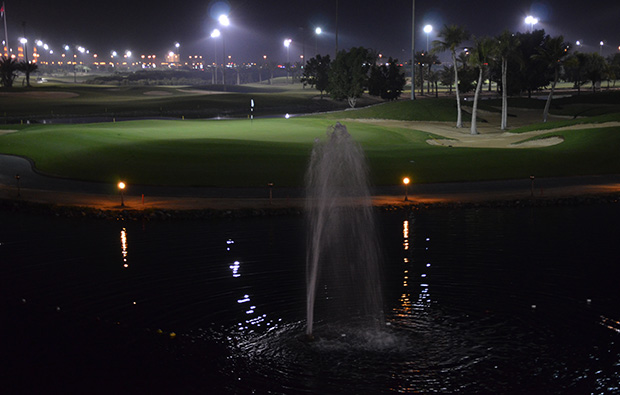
<point>474,129</point>
<point>428,81</point>
<point>548,104</point>
<point>459,117</point>
<point>504,95</point>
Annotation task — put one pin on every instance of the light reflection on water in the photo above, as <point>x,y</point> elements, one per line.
<point>124,247</point>
<point>240,284</point>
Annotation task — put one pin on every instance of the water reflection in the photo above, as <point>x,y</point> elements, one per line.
<point>124,247</point>
<point>236,264</point>
<point>415,271</point>
<point>252,319</point>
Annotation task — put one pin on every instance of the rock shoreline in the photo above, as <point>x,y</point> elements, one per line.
<point>163,214</point>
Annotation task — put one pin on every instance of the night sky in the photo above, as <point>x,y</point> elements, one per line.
<point>259,27</point>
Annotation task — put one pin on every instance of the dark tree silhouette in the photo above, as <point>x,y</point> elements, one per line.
<point>8,71</point>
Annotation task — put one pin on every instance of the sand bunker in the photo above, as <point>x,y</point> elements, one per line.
<point>499,141</point>
<point>6,131</point>
<point>490,135</point>
<point>41,94</point>
<point>545,142</point>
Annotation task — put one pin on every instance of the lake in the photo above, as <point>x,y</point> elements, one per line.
<point>488,300</point>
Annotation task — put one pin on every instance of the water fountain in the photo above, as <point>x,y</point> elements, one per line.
<point>342,261</point>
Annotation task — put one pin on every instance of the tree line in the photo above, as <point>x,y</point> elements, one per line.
<point>352,73</point>
<point>519,64</point>
<point>9,68</point>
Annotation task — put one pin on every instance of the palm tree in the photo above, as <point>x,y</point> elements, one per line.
<point>451,37</point>
<point>446,77</point>
<point>553,52</point>
<point>594,69</point>
<point>574,67</point>
<point>431,59</point>
<point>505,47</point>
<point>8,71</point>
<point>481,54</point>
<point>27,68</point>
<point>420,60</point>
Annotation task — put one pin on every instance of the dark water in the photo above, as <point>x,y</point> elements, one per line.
<point>476,301</point>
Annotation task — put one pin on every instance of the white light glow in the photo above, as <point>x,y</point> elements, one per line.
<point>224,21</point>
<point>530,20</point>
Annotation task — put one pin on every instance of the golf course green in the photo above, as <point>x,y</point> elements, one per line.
<point>244,153</point>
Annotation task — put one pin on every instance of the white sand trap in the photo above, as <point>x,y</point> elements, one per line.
<point>490,135</point>
<point>545,142</point>
<point>6,131</point>
<point>41,94</point>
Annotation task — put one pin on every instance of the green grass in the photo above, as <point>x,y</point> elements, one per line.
<point>244,154</point>
<point>172,101</point>
<point>443,110</point>
<point>613,117</point>
<point>238,153</point>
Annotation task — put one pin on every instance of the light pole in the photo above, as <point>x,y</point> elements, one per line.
<point>600,50</point>
<point>287,44</point>
<point>215,34</point>
<point>530,20</point>
<point>121,187</point>
<point>406,183</point>
<point>412,49</point>
<point>67,48</point>
<point>317,33</point>
<point>224,21</point>
<point>427,29</point>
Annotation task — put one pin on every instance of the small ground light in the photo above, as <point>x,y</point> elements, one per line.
<point>406,182</point>
<point>270,185</point>
<point>17,178</point>
<point>121,187</point>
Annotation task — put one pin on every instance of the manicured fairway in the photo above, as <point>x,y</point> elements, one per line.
<point>250,154</point>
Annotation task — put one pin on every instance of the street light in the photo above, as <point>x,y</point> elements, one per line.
<point>406,182</point>
<point>67,48</point>
<point>317,32</point>
<point>287,44</point>
<point>121,187</point>
<point>427,29</point>
<point>600,51</point>
<point>24,41</point>
<point>530,20</point>
<point>215,34</point>
<point>224,21</point>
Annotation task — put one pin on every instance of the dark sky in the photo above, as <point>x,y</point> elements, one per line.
<point>260,26</point>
